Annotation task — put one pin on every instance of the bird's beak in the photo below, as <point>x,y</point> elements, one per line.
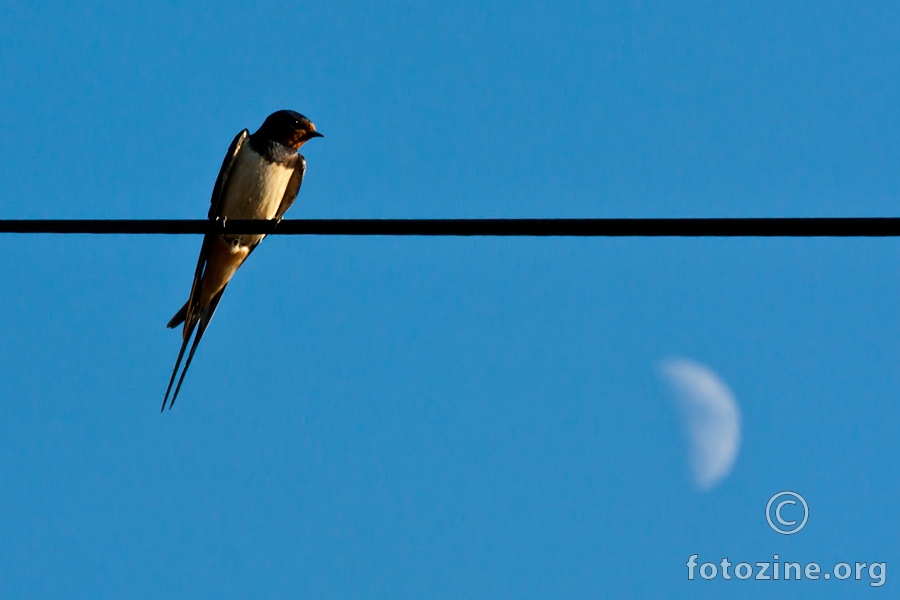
<point>313,134</point>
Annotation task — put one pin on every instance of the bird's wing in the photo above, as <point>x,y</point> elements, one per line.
<point>215,202</point>
<point>188,313</point>
<point>293,186</point>
<point>215,211</point>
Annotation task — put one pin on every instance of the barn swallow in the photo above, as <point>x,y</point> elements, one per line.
<point>259,179</point>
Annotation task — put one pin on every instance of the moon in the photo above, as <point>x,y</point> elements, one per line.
<point>710,416</point>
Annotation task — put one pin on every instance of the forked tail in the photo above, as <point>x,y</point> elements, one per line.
<point>200,322</point>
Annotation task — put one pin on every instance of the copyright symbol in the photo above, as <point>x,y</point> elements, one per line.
<point>779,501</point>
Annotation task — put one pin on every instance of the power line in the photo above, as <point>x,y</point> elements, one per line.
<point>700,227</point>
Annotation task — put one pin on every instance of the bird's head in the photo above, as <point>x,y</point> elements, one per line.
<point>288,128</point>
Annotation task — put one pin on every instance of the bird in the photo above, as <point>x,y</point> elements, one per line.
<point>259,179</point>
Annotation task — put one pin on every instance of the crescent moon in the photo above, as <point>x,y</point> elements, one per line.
<point>711,418</point>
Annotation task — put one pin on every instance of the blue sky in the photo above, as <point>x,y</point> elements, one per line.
<point>447,418</point>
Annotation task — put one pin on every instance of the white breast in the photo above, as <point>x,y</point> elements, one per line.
<point>255,188</point>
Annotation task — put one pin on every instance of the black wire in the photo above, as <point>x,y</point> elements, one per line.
<point>702,227</point>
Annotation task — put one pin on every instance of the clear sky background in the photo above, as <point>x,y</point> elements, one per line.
<point>447,418</point>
